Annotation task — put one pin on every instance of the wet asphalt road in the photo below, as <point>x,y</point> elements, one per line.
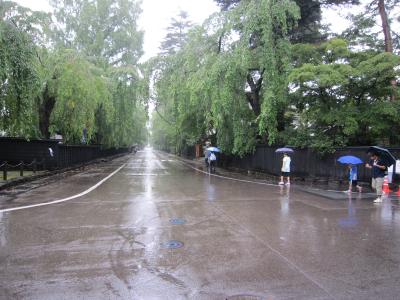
<point>259,241</point>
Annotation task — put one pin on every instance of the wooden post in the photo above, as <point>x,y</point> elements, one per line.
<point>198,150</point>
<point>21,169</point>
<point>34,166</point>
<point>5,171</point>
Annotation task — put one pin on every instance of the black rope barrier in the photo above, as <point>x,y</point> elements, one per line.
<point>21,167</point>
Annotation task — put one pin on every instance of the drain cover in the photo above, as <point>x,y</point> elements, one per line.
<point>177,221</point>
<point>172,244</point>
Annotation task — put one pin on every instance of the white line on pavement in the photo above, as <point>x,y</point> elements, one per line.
<point>66,199</point>
<point>225,177</point>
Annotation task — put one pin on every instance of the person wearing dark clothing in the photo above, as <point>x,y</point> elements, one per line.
<point>378,174</point>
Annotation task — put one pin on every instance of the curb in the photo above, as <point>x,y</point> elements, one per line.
<point>260,177</point>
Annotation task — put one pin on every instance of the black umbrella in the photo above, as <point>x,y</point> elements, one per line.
<point>384,154</point>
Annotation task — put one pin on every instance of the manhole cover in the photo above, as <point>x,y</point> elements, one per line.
<point>177,221</point>
<point>172,244</point>
<point>244,297</point>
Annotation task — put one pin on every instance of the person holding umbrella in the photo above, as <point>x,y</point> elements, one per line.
<point>212,161</point>
<point>353,178</point>
<point>352,162</point>
<point>285,170</point>
<point>378,173</point>
<point>212,158</point>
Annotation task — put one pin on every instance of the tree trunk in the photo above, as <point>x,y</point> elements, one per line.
<point>388,41</point>
<point>45,110</point>
<point>385,26</point>
<point>253,97</point>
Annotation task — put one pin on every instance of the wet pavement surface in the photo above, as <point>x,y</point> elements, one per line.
<point>160,229</point>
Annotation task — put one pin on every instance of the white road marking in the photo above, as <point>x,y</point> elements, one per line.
<point>129,167</point>
<point>146,174</point>
<point>68,198</point>
<point>160,165</point>
<point>225,177</point>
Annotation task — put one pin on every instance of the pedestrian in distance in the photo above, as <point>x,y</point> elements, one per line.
<point>285,170</point>
<point>378,174</point>
<point>206,153</point>
<point>353,178</point>
<point>212,161</point>
<point>206,158</point>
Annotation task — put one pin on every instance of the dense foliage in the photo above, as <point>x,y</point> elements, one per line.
<point>81,76</point>
<point>19,81</point>
<point>253,73</point>
<point>258,71</point>
<point>341,97</point>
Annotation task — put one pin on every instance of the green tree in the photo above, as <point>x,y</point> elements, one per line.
<point>102,29</point>
<point>106,33</point>
<point>130,113</point>
<point>365,30</point>
<point>202,87</point>
<point>167,73</point>
<point>308,29</point>
<point>70,79</point>
<point>340,97</point>
<point>77,91</point>
<point>176,34</point>
<point>19,80</point>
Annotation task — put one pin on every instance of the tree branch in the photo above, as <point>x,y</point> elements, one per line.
<point>163,118</point>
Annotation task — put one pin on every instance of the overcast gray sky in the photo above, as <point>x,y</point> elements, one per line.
<point>157,15</point>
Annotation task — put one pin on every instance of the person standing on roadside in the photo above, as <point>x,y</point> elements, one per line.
<point>206,153</point>
<point>212,161</point>
<point>378,174</point>
<point>353,178</point>
<point>285,170</point>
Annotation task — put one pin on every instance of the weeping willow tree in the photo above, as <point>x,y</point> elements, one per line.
<point>19,78</point>
<point>264,50</point>
<point>78,75</point>
<point>228,82</point>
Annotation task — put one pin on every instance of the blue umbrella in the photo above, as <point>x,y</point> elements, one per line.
<point>284,150</point>
<point>349,159</point>
<point>213,149</point>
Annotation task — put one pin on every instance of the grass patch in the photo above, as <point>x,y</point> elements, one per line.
<point>14,174</point>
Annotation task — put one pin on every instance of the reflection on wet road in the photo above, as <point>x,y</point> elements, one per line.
<point>158,229</point>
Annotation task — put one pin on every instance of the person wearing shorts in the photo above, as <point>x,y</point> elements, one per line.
<point>285,170</point>
<point>378,174</point>
<point>353,176</point>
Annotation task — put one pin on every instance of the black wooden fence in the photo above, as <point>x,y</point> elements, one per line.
<point>50,154</point>
<point>305,162</point>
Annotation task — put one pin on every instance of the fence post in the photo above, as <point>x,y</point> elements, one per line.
<point>5,171</point>
<point>310,169</point>
<point>21,169</point>
<point>34,166</point>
